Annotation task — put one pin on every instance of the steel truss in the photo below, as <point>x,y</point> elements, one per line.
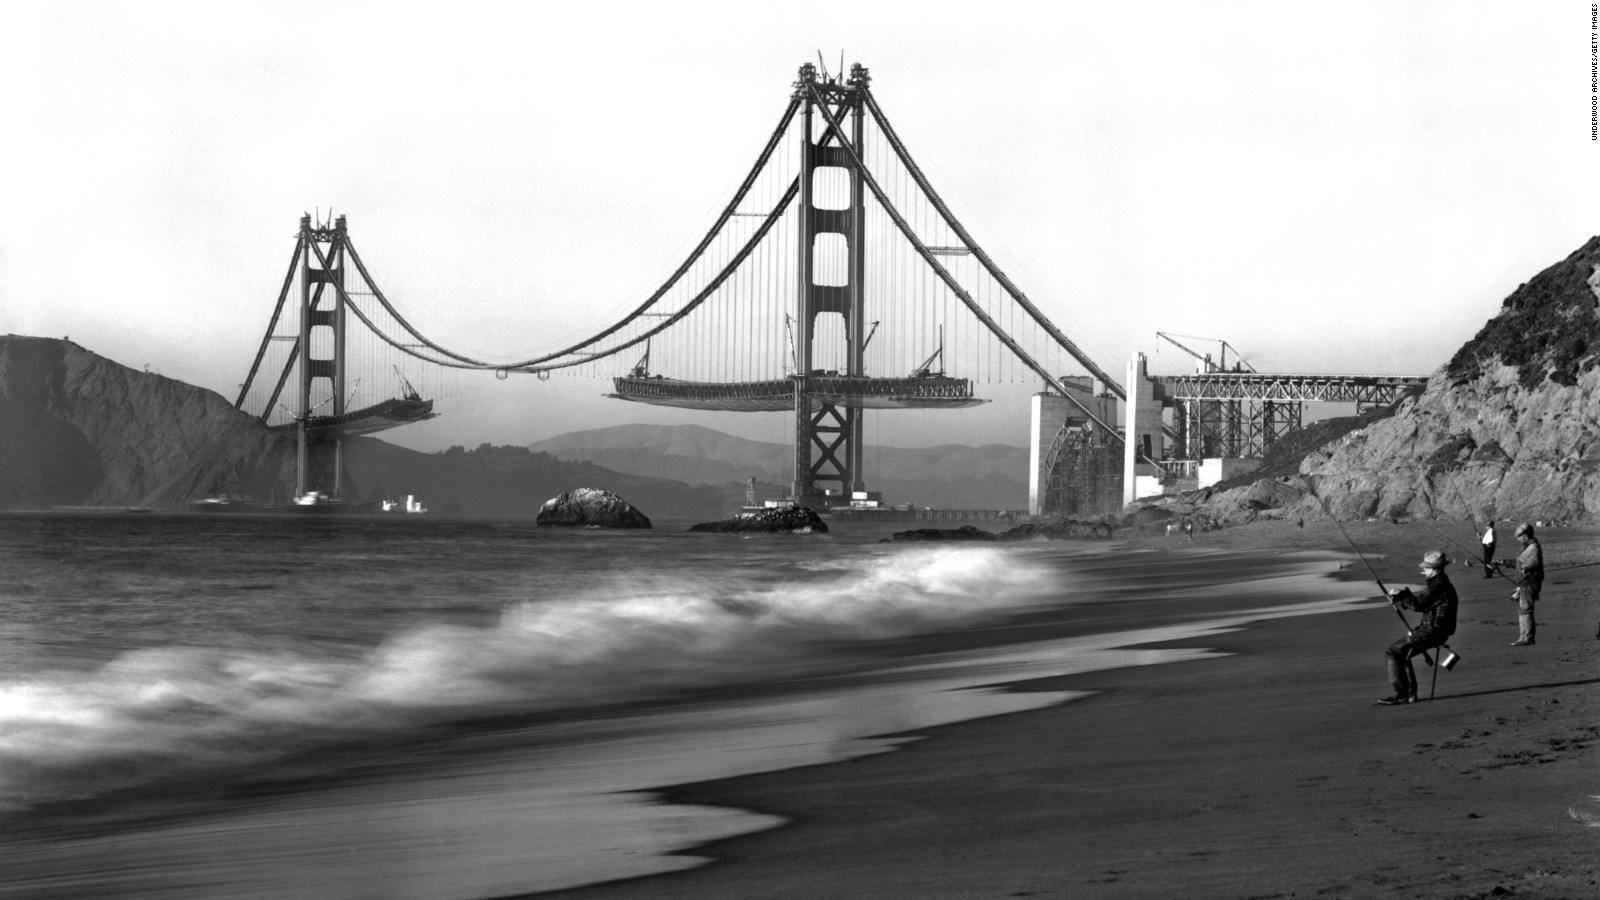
<point>1242,414</point>
<point>1366,390</point>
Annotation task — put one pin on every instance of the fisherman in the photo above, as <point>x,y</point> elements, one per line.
<point>1437,602</point>
<point>1530,562</point>
<point>1488,550</point>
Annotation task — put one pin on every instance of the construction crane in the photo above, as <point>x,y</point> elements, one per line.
<point>1239,365</point>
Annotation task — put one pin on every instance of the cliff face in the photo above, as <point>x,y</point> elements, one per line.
<point>76,428</point>
<point>1508,429</point>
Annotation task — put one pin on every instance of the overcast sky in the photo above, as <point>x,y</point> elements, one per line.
<point>1347,187</point>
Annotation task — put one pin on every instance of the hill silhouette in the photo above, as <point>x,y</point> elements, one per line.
<point>949,476</point>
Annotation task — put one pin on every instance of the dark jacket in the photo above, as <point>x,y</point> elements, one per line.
<point>1437,602</point>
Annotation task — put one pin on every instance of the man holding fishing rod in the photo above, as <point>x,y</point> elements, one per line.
<point>1437,601</point>
<point>1530,563</point>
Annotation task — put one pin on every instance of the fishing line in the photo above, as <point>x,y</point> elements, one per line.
<point>1490,565</point>
<point>1425,655</point>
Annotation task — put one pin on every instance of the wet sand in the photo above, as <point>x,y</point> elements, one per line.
<point>1269,773</point>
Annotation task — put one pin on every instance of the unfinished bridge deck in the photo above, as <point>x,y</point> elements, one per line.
<point>1374,390</point>
<point>859,392</point>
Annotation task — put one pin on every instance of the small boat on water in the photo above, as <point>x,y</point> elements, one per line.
<point>410,505</point>
<point>318,500</point>
<point>221,503</point>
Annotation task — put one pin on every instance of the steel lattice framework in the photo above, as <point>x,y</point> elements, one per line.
<point>1365,390</point>
<point>1242,414</point>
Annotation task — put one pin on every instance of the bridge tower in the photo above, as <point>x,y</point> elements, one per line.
<point>828,442</point>
<point>322,331</point>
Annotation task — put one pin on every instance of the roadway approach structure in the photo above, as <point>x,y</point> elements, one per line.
<point>1203,427</point>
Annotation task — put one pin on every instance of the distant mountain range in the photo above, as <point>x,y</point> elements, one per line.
<point>949,476</point>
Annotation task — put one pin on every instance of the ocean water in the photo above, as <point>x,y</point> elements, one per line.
<point>224,705</point>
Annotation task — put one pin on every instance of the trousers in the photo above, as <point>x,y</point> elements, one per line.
<point>1402,675</point>
<point>1527,596</point>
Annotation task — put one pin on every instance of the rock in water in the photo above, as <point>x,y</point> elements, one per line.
<point>592,508</point>
<point>964,533</point>
<point>784,519</point>
<point>1060,529</point>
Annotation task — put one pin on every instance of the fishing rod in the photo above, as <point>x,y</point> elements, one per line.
<point>1427,657</point>
<point>1466,551</point>
<point>1489,565</point>
<point>1497,568</point>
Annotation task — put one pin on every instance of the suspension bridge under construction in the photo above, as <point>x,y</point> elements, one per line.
<point>835,281</point>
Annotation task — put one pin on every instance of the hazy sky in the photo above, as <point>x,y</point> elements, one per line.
<point>1329,187</point>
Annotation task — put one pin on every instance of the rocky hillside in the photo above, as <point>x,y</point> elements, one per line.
<point>77,429</point>
<point>1509,428</point>
<point>946,477</point>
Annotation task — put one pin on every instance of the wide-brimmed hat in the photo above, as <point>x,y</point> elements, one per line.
<point>1435,559</point>
<point>1524,529</point>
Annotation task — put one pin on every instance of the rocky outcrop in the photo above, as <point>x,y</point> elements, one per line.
<point>1063,529</point>
<point>1508,429</point>
<point>964,533</point>
<point>778,520</point>
<point>591,508</point>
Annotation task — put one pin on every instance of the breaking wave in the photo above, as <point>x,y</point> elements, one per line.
<point>161,712</point>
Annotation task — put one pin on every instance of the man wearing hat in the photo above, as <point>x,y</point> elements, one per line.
<point>1530,562</point>
<point>1437,602</point>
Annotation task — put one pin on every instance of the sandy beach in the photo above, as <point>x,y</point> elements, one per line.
<point>1268,773</point>
<point>1183,719</point>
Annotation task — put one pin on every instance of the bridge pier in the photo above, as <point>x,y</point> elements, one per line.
<point>828,442</point>
<point>1144,438</point>
<point>1074,467</point>
<point>321,328</point>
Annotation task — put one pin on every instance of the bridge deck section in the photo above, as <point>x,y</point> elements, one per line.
<point>860,392</point>
<point>368,420</point>
<point>1288,388</point>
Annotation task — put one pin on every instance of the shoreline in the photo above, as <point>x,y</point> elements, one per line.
<point>1269,773</point>
<point>513,805</point>
<point>1163,772</point>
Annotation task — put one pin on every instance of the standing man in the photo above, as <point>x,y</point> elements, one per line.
<point>1530,562</point>
<point>1488,550</point>
<point>1437,602</point>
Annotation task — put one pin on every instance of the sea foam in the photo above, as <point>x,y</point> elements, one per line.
<point>162,712</point>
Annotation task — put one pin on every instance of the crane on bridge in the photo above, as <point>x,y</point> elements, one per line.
<point>1239,364</point>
